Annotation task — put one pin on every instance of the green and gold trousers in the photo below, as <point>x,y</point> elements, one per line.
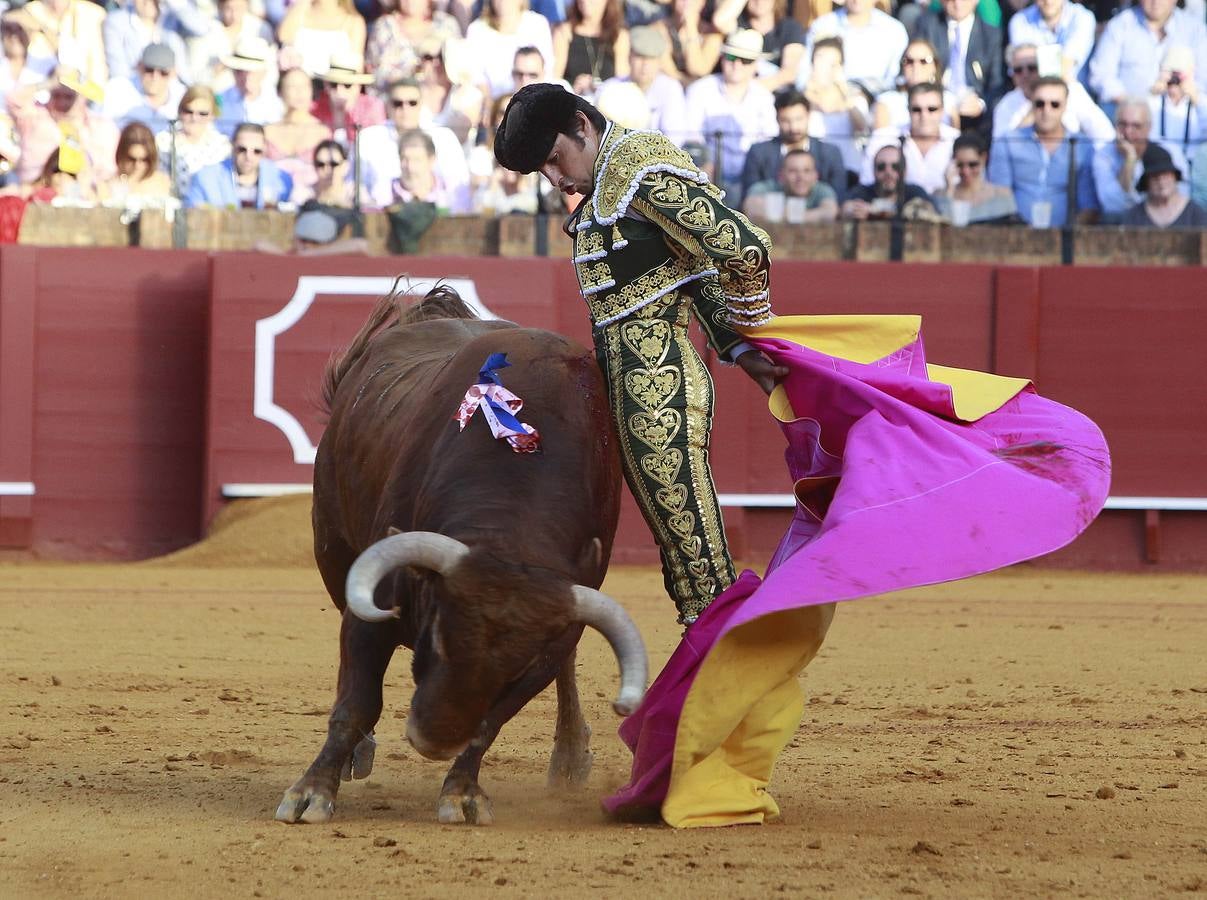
<point>661,397</point>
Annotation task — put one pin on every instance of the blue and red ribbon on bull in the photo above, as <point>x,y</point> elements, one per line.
<point>499,407</point>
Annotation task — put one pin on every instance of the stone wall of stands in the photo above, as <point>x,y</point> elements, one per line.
<point>140,390</point>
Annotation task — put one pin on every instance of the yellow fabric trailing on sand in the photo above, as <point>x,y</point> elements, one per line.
<point>743,708</point>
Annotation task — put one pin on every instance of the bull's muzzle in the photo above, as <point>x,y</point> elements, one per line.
<point>428,750</point>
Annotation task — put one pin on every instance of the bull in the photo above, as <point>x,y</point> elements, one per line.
<point>485,562</point>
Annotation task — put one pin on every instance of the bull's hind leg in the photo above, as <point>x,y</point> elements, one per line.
<point>462,799</point>
<point>365,652</point>
<point>570,762</point>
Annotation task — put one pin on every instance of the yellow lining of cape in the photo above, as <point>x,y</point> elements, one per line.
<point>865,339</point>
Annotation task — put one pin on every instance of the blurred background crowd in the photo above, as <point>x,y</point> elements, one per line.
<point>964,111</point>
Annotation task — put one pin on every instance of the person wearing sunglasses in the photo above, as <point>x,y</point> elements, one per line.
<point>246,180</point>
<point>885,194</point>
<point>249,99</point>
<point>493,38</point>
<point>970,50</point>
<point>139,182</point>
<point>734,105</point>
<point>1117,165</point>
<point>447,89</point>
<point>393,50</point>
<point>1064,23</point>
<point>927,140</point>
<point>132,25</point>
<point>969,197</point>
<point>380,165</point>
<point>919,65</point>
<point>194,141</point>
<point>151,96</point>
<point>1014,110</point>
<point>873,43</point>
<point>1034,163</point>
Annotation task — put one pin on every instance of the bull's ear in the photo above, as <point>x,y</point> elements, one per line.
<point>391,531</point>
<point>591,557</point>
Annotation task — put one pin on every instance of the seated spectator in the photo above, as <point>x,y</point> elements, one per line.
<point>1034,163</point>
<point>10,155</point>
<point>331,184</point>
<point>245,180</point>
<point>316,232</point>
<point>1117,172</point>
<point>527,67</point>
<point>249,99</point>
<point>493,39</point>
<point>343,106</point>
<point>1164,206</point>
<point>1127,60</point>
<point>379,148</point>
<point>919,65</point>
<point>315,31</point>
<point>396,35</point>
<point>591,46</point>
<point>14,70</point>
<point>880,199</point>
<point>139,181</point>
<point>797,196</point>
<point>764,160</point>
<point>419,177</point>
<point>61,185</point>
<point>291,141</point>
<point>969,51</point>
<point>152,96</point>
<point>65,116</point>
<point>663,94</point>
<point>235,26</point>
<point>838,110</point>
<point>928,142</point>
<point>783,37</point>
<point>497,190</point>
<point>1064,23</point>
<point>872,41</point>
<point>65,34</point>
<point>982,202</point>
<point>734,105</point>
<point>623,103</point>
<point>194,142</point>
<point>1015,110</point>
<point>449,96</point>
<point>137,24</point>
<point>695,42</point>
<point>1175,103</point>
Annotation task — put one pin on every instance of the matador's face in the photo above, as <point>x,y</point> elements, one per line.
<point>570,166</point>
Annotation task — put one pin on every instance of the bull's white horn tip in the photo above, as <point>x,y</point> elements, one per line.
<point>628,701</point>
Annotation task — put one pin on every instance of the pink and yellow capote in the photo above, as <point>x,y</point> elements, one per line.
<point>905,474</point>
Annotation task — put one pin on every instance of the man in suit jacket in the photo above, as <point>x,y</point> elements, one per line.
<point>244,181</point>
<point>764,159</point>
<point>973,63</point>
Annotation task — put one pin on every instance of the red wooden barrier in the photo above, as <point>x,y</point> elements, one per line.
<point>129,398</point>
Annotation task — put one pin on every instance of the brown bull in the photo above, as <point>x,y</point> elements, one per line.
<point>482,560</point>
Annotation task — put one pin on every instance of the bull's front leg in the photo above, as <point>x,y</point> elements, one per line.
<point>365,652</point>
<point>570,762</point>
<point>462,799</point>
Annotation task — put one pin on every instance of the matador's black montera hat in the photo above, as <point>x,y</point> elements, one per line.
<point>531,123</point>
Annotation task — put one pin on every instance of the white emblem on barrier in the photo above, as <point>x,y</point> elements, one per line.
<point>310,286</point>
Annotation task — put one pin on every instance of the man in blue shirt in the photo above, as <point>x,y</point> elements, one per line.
<point>244,181</point>
<point>1034,162</point>
<point>1128,58</point>
<point>1062,22</point>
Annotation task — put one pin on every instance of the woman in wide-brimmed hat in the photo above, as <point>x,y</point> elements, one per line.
<point>343,105</point>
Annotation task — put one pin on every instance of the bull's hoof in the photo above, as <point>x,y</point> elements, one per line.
<point>570,762</point>
<point>360,763</point>
<point>306,803</point>
<point>470,807</point>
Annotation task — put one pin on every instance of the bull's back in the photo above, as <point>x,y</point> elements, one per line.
<point>393,453</point>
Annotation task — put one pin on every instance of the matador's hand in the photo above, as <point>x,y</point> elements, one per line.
<point>765,373</point>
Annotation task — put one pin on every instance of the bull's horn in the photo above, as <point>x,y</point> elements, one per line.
<point>601,612</point>
<point>424,549</point>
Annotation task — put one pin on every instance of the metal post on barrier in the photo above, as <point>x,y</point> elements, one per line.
<point>180,230</point>
<point>896,235</point>
<point>718,138</point>
<point>1066,233</point>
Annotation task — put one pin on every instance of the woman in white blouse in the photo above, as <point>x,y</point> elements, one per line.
<point>503,28</point>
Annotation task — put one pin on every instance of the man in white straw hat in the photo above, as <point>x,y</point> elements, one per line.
<point>343,105</point>
<point>250,99</point>
<point>733,104</point>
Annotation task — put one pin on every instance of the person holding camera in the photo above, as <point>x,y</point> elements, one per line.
<point>879,199</point>
<point>1177,120</point>
<point>1117,165</point>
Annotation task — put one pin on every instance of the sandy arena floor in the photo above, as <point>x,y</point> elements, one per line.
<point>1023,734</point>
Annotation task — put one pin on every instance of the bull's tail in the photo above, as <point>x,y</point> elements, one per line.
<point>441,302</point>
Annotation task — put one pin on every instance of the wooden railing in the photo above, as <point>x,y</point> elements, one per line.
<point>512,236</point>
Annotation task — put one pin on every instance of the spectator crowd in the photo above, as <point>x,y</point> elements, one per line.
<point>967,111</point>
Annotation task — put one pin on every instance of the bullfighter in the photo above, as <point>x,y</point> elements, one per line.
<point>653,245</point>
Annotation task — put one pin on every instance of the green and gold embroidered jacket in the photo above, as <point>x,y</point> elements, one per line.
<point>655,224</point>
